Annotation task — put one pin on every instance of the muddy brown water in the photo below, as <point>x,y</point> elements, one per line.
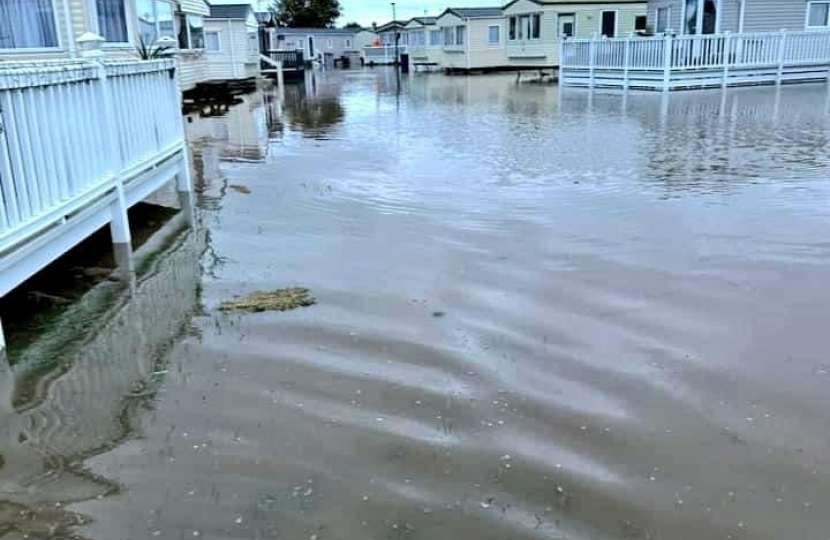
<point>540,314</point>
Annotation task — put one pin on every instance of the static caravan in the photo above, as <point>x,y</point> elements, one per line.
<point>424,41</point>
<point>317,43</point>
<point>232,42</point>
<point>388,31</point>
<point>535,27</point>
<point>32,30</point>
<point>737,16</point>
<point>392,39</point>
<point>366,38</point>
<point>473,39</point>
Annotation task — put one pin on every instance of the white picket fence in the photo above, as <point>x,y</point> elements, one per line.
<point>80,142</point>
<point>690,61</point>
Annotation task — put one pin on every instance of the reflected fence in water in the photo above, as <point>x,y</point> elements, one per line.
<point>69,397</point>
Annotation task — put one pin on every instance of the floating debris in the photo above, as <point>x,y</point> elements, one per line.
<point>239,188</point>
<point>279,300</point>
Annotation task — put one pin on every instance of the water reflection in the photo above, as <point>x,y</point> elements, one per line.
<point>83,387</point>
<point>239,129</point>
<point>313,107</point>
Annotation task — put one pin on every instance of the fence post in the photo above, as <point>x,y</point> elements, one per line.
<point>592,47</point>
<point>90,45</point>
<point>781,50</point>
<point>626,61</point>
<point>727,45</point>
<point>667,61</point>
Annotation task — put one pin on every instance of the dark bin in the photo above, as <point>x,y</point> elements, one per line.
<point>404,63</point>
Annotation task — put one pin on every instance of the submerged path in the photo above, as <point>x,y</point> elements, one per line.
<point>539,315</point>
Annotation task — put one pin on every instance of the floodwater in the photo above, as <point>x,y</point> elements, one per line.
<point>540,315</point>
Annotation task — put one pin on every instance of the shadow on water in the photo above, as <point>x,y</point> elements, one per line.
<point>82,388</point>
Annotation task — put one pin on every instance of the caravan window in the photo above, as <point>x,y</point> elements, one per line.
<point>155,20</point>
<point>525,27</point>
<point>212,42</point>
<point>191,32</point>
<point>494,34</point>
<point>818,14</point>
<point>112,20</point>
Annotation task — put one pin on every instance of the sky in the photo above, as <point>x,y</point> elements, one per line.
<point>366,12</point>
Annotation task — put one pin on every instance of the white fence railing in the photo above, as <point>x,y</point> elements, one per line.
<point>382,54</point>
<point>71,131</point>
<point>668,54</point>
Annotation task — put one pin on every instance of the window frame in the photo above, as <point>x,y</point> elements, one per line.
<point>449,31</point>
<point>58,38</point>
<point>667,8</point>
<point>184,22</point>
<point>534,26</point>
<point>559,21</point>
<point>810,4</point>
<point>460,37</point>
<point>438,42</point>
<point>253,43</point>
<point>490,41</point>
<point>156,20</point>
<point>130,15</point>
<point>645,25</point>
<point>616,13</point>
<point>218,49</point>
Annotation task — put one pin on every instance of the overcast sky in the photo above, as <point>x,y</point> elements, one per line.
<point>368,11</point>
<point>380,11</point>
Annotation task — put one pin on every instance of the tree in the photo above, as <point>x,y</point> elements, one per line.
<point>307,13</point>
<point>354,26</point>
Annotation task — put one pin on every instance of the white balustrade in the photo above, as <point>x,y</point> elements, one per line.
<point>72,129</point>
<point>382,54</point>
<point>80,142</point>
<point>699,56</point>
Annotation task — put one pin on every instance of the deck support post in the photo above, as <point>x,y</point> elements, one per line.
<point>2,342</point>
<point>781,50</point>
<point>120,231</point>
<point>184,186</point>
<point>667,51</point>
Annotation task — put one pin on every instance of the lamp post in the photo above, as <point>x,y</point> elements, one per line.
<point>397,37</point>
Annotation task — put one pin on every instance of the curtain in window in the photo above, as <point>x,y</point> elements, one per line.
<point>690,17</point>
<point>112,20</point>
<point>26,24</point>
